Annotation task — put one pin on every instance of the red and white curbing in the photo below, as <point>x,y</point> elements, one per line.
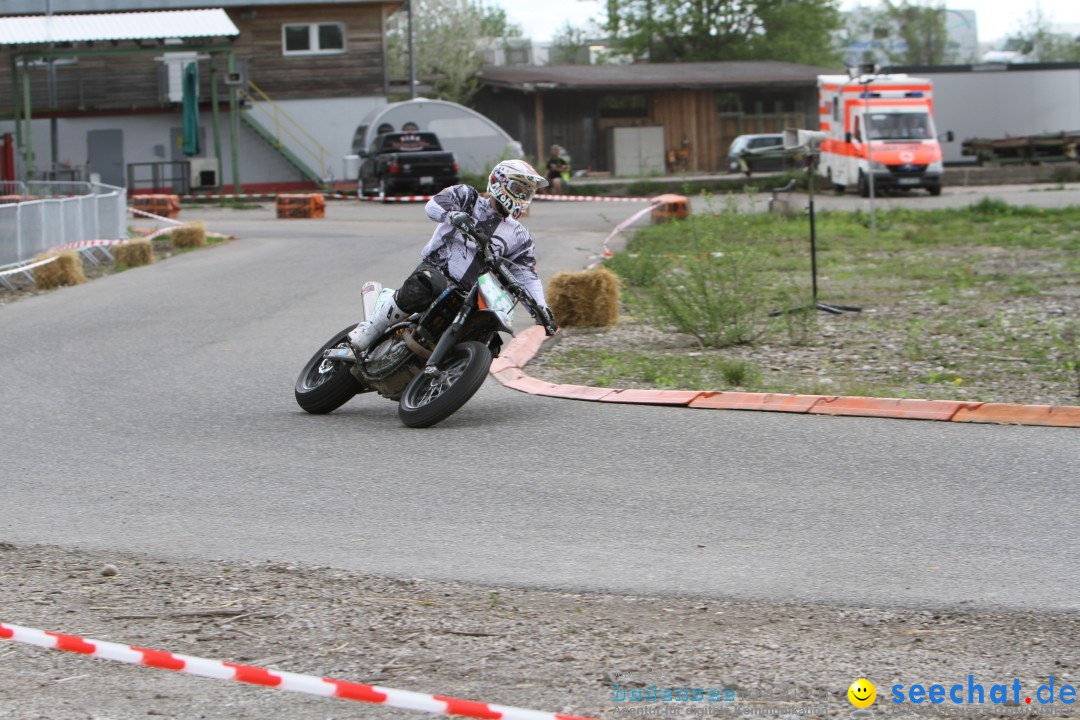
<point>507,369</point>
<point>293,682</point>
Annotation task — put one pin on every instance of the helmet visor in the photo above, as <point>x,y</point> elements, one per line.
<point>519,189</point>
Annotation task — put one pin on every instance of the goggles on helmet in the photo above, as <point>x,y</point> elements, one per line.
<point>520,190</point>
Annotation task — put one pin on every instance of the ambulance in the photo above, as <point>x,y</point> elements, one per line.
<point>881,125</point>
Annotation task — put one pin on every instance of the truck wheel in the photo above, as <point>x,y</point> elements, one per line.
<point>864,185</point>
<point>934,190</point>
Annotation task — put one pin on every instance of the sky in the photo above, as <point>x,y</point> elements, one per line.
<point>995,18</point>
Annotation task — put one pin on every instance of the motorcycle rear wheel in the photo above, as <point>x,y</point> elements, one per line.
<point>325,385</point>
<point>431,399</point>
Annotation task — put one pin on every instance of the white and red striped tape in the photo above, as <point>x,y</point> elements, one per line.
<point>416,198</point>
<point>85,244</point>
<point>136,211</point>
<point>597,259</point>
<point>309,684</point>
<point>591,198</point>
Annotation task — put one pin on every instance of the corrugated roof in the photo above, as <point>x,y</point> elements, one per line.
<point>34,7</point>
<point>653,75</point>
<point>38,29</point>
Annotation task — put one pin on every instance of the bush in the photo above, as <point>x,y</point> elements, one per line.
<point>716,290</point>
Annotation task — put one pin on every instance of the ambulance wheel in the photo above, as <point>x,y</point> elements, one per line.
<point>864,186</point>
<point>837,187</point>
<point>934,190</point>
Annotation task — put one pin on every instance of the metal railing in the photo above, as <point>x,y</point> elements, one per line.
<point>56,213</point>
<point>301,142</point>
<point>168,176</point>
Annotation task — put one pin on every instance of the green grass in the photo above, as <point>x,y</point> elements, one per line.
<point>974,282</point>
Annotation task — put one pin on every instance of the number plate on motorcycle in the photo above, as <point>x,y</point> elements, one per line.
<point>427,180</point>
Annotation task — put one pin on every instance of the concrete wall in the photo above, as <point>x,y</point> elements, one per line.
<point>996,104</point>
<point>146,138</point>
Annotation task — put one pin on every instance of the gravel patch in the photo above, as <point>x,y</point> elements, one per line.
<point>538,649</point>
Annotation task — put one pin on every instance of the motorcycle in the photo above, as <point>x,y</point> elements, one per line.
<point>432,362</point>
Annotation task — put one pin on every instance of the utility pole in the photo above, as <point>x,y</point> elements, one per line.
<point>412,60</point>
<point>53,137</point>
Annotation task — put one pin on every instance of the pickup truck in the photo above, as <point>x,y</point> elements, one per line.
<point>406,162</point>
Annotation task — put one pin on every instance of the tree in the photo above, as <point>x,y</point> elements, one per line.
<point>569,46</point>
<point>447,36</point>
<point>707,30</point>
<point>922,29</point>
<point>1037,41</point>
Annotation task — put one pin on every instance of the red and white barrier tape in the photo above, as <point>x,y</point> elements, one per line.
<point>83,244</point>
<point>591,198</point>
<point>396,198</point>
<point>414,198</point>
<point>136,211</point>
<point>24,268</point>
<point>309,684</point>
<point>597,259</point>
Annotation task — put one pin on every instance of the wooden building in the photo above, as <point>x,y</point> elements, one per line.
<point>320,62</point>
<point>702,107</point>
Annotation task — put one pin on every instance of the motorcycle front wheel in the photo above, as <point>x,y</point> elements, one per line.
<point>430,399</point>
<point>325,385</point>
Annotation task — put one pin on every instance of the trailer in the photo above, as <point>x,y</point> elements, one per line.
<point>879,126</point>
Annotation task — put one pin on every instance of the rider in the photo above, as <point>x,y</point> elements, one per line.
<point>511,187</point>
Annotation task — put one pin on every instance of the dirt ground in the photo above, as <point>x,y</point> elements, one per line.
<point>552,651</point>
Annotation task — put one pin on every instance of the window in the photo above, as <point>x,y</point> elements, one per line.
<point>728,102</point>
<point>624,105</point>
<point>313,39</point>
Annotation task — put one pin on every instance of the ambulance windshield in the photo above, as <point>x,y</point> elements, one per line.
<point>900,126</point>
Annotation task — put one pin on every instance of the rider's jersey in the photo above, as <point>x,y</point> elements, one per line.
<point>460,259</point>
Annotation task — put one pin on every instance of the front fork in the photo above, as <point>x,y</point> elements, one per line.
<point>449,338</point>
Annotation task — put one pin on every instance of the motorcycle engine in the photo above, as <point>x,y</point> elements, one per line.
<point>389,367</point>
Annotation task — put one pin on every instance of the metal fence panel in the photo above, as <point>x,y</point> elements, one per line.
<point>13,187</point>
<point>73,230</point>
<point>88,217</point>
<point>32,228</point>
<point>52,223</point>
<point>9,234</point>
<point>64,212</point>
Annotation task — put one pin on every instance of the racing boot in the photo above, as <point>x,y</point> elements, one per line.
<point>386,313</point>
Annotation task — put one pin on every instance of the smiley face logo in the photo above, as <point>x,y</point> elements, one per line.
<point>862,693</point>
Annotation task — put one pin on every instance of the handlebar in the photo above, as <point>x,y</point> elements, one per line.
<point>512,285</point>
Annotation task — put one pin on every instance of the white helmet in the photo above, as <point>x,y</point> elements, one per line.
<point>512,184</point>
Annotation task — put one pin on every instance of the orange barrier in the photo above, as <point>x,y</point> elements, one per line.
<point>775,402</point>
<point>162,205</point>
<point>888,407</point>
<point>670,207</point>
<point>507,370</point>
<point>301,206</point>
<point>1052,415</point>
<point>653,397</point>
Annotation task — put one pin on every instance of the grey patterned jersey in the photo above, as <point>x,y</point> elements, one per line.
<point>460,260</point>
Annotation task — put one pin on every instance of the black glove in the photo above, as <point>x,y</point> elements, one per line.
<point>550,326</point>
<point>461,220</point>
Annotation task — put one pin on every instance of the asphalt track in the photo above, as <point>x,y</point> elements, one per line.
<point>152,411</point>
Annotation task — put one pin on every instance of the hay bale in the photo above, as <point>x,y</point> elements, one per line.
<point>189,235</point>
<point>134,253</point>
<point>585,299</point>
<point>67,269</point>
